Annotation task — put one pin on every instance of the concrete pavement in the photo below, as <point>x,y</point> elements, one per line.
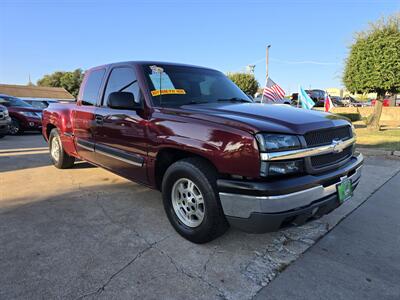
<point>358,259</point>
<point>86,233</point>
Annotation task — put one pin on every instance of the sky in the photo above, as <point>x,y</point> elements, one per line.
<point>309,39</point>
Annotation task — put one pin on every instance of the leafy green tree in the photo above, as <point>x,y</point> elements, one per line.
<point>68,80</point>
<point>246,82</point>
<point>373,64</point>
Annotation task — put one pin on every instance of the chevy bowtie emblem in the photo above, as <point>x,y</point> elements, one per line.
<point>338,146</point>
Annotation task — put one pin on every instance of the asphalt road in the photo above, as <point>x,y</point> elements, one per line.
<point>86,233</point>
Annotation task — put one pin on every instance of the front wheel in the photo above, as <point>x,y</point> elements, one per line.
<point>15,127</point>
<point>59,157</point>
<point>191,200</point>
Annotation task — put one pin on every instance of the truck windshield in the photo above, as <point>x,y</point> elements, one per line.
<point>11,101</point>
<point>172,85</point>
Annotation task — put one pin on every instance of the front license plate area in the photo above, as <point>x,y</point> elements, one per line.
<point>345,190</point>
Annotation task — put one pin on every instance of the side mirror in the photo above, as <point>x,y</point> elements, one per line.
<point>122,100</point>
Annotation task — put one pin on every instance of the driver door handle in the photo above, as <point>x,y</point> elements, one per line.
<point>99,119</point>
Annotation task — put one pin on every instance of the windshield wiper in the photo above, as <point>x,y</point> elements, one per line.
<point>196,102</point>
<point>234,99</point>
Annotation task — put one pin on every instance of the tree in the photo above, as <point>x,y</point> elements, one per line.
<point>373,64</point>
<point>246,82</point>
<point>67,80</point>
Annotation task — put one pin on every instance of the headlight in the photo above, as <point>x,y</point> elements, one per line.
<point>30,114</point>
<point>271,142</point>
<point>281,168</point>
<point>353,131</point>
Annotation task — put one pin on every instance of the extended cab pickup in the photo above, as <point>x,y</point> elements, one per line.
<point>217,158</point>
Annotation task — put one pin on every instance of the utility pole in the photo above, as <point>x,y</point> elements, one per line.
<point>269,46</point>
<point>266,77</point>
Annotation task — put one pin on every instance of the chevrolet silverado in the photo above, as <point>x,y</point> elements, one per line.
<point>218,158</point>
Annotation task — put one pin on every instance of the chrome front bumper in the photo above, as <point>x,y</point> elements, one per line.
<point>242,206</point>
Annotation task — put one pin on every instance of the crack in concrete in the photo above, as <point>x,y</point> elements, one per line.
<point>115,274</point>
<point>137,256</point>
<point>102,288</point>
<point>181,270</point>
<point>210,256</point>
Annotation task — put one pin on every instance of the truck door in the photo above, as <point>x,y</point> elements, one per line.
<point>83,116</point>
<point>121,134</point>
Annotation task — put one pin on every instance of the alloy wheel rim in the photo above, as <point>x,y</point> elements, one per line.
<point>55,149</point>
<point>13,128</point>
<point>188,202</point>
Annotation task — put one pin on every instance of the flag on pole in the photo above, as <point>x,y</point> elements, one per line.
<point>328,102</point>
<point>272,91</point>
<point>305,100</point>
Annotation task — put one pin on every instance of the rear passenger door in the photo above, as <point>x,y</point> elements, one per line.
<point>83,116</point>
<point>121,134</point>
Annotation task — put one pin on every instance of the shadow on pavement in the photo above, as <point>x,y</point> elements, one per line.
<point>30,160</point>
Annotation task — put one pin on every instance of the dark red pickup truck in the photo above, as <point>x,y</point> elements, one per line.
<point>217,158</point>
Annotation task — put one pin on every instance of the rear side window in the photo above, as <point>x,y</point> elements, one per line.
<point>92,87</point>
<point>122,79</point>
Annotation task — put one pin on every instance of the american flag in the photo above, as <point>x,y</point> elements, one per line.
<point>272,91</point>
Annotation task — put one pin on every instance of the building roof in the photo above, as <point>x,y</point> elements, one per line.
<point>29,91</point>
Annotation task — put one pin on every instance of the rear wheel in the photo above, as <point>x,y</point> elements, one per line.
<point>191,200</point>
<point>15,127</point>
<point>59,157</point>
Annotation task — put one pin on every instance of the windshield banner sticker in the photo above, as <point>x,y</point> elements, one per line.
<point>168,92</point>
<point>161,81</point>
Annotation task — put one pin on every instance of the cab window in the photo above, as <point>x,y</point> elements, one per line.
<point>92,87</point>
<point>122,79</point>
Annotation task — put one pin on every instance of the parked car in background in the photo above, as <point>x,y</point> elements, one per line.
<point>355,103</point>
<point>218,158</point>
<point>40,104</point>
<point>321,102</point>
<point>267,101</point>
<point>23,115</point>
<point>318,96</point>
<point>337,101</point>
<point>5,121</point>
<point>347,99</point>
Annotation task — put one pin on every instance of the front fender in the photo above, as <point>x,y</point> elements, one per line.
<point>231,150</point>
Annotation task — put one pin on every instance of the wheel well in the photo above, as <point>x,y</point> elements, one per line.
<point>167,157</point>
<point>49,128</point>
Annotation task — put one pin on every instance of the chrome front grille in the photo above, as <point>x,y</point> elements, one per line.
<point>329,137</point>
<point>325,160</point>
<point>326,136</point>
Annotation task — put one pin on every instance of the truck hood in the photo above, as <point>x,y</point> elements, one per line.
<point>19,108</point>
<point>255,117</point>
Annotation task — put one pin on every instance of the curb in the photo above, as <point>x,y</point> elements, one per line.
<point>391,154</point>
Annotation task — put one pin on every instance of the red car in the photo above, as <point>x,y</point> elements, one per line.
<point>23,115</point>
<point>386,102</point>
<point>218,158</point>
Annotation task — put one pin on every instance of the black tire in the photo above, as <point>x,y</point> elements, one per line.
<point>204,176</point>
<point>2,135</point>
<point>63,161</point>
<point>15,127</point>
